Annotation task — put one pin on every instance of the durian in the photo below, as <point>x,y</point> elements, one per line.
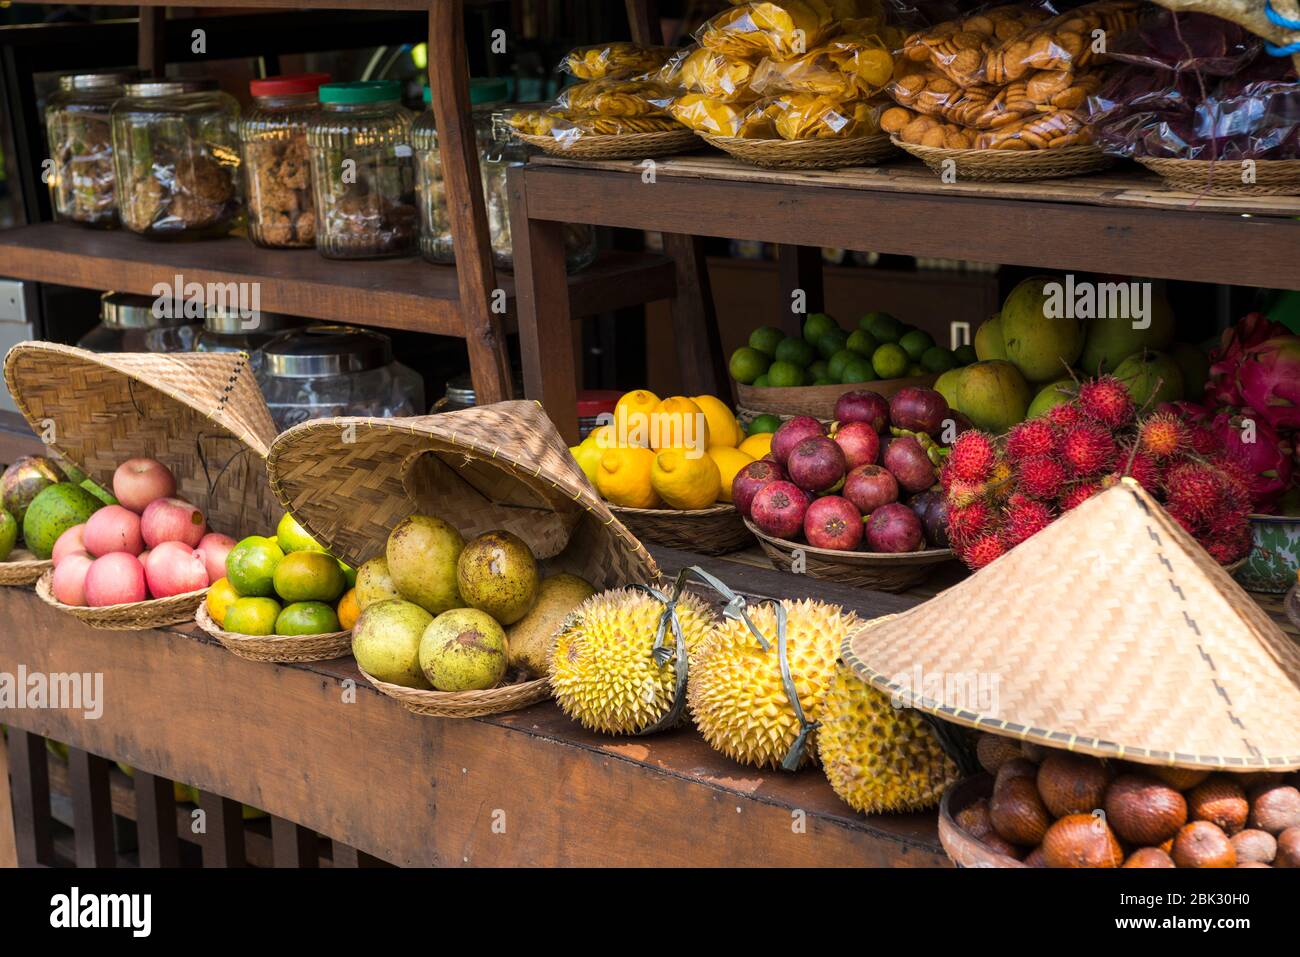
<point>879,758</point>
<point>736,695</point>
<point>602,669</point>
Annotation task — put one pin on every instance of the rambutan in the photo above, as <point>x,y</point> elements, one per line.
<point>1236,484</point>
<point>972,457</point>
<point>961,493</point>
<point>1203,441</point>
<point>1189,524</point>
<point>1066,415</point>
<point>1000,480</point>
<point>1040,476</point>
<point>1195,490</point>
<point>1035,437</point>
<point>968,522</point>
<point>983,550</point>
<point>1078,494</point>
<point>1141,467</point>
<point>1162,435</point>
<point>1024,518</point>
<point>1105,400</point>
<point>1225,553</point>
<point>1088,448</point>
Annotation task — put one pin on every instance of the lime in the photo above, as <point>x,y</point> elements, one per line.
<point>824,380</point>
<point>915,370</point>
<point>857,369</point>
<point>835,368</point>
<point>890,361</point>
<point>938,359</point>
<point>251,565</point>
<point>762,381</point>
<point>748,364</point>
<point>349,573</point>
<point>784,375</point>
<point>767,422</point>
<point>817,325</point>
<point>965,354</point>
<point>307,618</point>
<point>796,352</point>
<point>292,537</point>
<point>831,343</point>
<point>8,534</point>
<point>819,370</point>
<point>863,342</point>
<point>915,343</point>
<point>309,576</point>
<point>882,325</point>
<point>252,616</point>
<point>766,339</point>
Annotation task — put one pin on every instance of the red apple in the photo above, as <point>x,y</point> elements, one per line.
<point>69,580</point>
<point>909,463</point>
<point>752,478</point>
<point>816,465</point>
<point>113,529</point>
<point>69,543</point>
<point>115,579</point>
<point>174,569</point>
<point>137,482</point>
<point>860,443</point>
<point>833,522</point>
<point>894,528</point>
<point>793,432</point>
<point>172,520</point>
<point>863,406</point>
<point>215,547</point>
<point>870,486</point>
<point>778,509</point>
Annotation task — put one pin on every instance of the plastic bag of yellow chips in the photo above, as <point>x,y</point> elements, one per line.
<point>617,59</point>
<point>715,75</point>
<point>567,126</point>
<point>708,115</point>
<point>780,30</point>
<point>847,68</point>
<point>636,97</point>
<point>808,116</point>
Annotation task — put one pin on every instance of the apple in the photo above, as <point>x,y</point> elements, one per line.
<point>215,547</point>
<point>115,579</point>
<point>69,580</point>
<point>69,543</point>
<point>137,482</point>
<point>113,529</point>
<point>175,568</point>
<point>172,520</point>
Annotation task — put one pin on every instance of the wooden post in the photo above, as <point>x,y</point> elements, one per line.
<point>155,821</point>
<point>92,809</point>
<point>800,268</point>
<point>8,837</point>
<point>485,338</point>
<point>150,53</point>
<point>643,17</point>
<point>223,840</point>
<point>31,798</point>
<point>292,845</point>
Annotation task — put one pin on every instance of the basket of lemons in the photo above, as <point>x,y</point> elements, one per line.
<point>665,468</point>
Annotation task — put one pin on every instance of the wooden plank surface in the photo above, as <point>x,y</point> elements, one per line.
<point>8,838</point>
<point>92,809</point>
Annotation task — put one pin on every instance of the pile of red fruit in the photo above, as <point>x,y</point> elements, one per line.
<point>149,545</point>
<point>866,484</point>
<point>1002,491</point>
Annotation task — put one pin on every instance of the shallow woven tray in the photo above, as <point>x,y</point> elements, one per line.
<point>466,704</point>
<point>963,848</point>
<point>716,530</point>
<point>805,154</point>
<point>1011,165</point>
<point>877,570</point>
<point>283,648</point>
<point>135,616</point>
<point>23,568</point>
<point>622,146</point>
<point>1223,177</point>
<point>819,400</point>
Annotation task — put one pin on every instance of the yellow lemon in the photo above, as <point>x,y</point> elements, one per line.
<point>757,445</point>
<point>221,596</point>
<point>601,437</point>
<point>723,427</point>
<point>624,478</point>
<point>632,417</point>
<point>685,479</point>
<point>678,423</point>
<point>588,457</point>
<point>729,461</point>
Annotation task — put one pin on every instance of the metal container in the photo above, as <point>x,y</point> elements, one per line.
<point>130,323</point>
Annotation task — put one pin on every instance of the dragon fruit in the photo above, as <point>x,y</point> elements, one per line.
<point>1250,331</point>
<point>1268,381</point>
<point>1267,460</point>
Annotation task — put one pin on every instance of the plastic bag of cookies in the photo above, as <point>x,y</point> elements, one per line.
<point>958,49</point>
<point>1045,131</point>
<point>712,74</point>
<point>922,130</point>
<point>619,59</point>
<point>781,29</point>
<point>1071,41</point>
<point>1046,90</point>
<point>925,90</point>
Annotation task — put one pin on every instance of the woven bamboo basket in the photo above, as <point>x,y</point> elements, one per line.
<point>964,848</point>
<point>818,400</point>
<point>277,648</point>
<point>1011,165</point>
<point>200,414</point>
<point>1292,605</point>
<point>716,530</point>
<point>876,570</point>
<point>621,146</point>
<point>23,568</point>
<point>1224,177</point>
<point>503,466</point>
<point>133,616</point>
<point>805,154</point>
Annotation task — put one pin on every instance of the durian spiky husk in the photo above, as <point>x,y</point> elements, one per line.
<point>735,693</point>
<point>879,758</point>
<point>602,670</point>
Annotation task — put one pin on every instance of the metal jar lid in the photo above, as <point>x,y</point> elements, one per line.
<point>97,81</point>
<point>460,388</point>
<point>324,351</point>
<point>124,310</point>
<point>230,322</point>
<point>169,87</point>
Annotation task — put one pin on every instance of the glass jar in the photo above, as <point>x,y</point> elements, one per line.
<point>80,137</point>
<point>277,171</point>
<point>460,392</point>
<point>326,371</point>
<point>226,330</point>
<point>176,153</point>
<point>129,323</point>
<point>364,173</point>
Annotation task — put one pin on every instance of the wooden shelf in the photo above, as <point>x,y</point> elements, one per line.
<point>408,294</point>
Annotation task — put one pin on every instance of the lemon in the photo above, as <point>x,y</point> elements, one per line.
<point>588,457</point>
<point>221,596</point>
<point>723,427</point>
<point>252,616</point>
<point>678,423</point>
<point>757,445</point>
<point>624,478</point>
<point>632,417</point>
<point>601,437</point>
<point>685,480</point>
<point>729,461</point>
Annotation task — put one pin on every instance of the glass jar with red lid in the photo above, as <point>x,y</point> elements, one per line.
<point>277,170</point>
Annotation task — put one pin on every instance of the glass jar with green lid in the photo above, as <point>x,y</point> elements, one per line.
<point>176,154</point>
<point>277,170</point>
<point>80,138</point>
<point>363,170</point>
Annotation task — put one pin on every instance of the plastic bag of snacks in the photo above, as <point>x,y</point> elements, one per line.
<point>1194,42</point>
<point>1044,131</point>
<point>715,117</point>
<point>637,97</point>
<point>1131,90</point>
<point>781,29</point>
<point>567,126</point>
<point>808,116</point>
<point>1071,41</point>
<point>1047,90</point>
<point>712,74</point>
<point>608,60</point>
<point>923,130</point>
<point>958,49</point>
<point>846,68</point>
<point>926,91</point>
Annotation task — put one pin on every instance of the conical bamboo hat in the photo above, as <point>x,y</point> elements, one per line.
<point>1112,633</point>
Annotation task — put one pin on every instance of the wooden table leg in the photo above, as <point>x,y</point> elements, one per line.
<point>92,809</point>
<point>30,775</point>
<point>223,839</point>
<point>292,845</point>
<point>695,326</point>
<point>542,308</point>
<point>8,837</point>
<point>155,821</point>
<point>800,270</point>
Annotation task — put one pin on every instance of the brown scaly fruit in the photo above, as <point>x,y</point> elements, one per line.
<point>1144,810</point>
<point>1081,840</point>
<point>1181,779</point>
<point>1018,813</point>
<point>1221,801</point>
<point>1202,844</point>
<point>1288,848</point>
<point>1015,768</point>
<point>993,750</point>
<point>1035,858</point>
<point>997,843</point>
<point>1275,808</point>
<point>1149,857</point>
<point>1071,783</point>
<point>974,819</point>
<point>1254,845</point>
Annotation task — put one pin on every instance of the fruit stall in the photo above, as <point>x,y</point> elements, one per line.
<point>845,595</point>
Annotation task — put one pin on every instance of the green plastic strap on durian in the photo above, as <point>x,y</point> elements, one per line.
<point>661,652</point>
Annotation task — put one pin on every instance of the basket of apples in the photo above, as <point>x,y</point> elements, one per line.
<point>855,502</point>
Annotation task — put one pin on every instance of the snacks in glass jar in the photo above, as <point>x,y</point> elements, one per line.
<point>80,136</point>
<point>618,59</point>
<point>781,30</point>
<point>1071,41</point>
